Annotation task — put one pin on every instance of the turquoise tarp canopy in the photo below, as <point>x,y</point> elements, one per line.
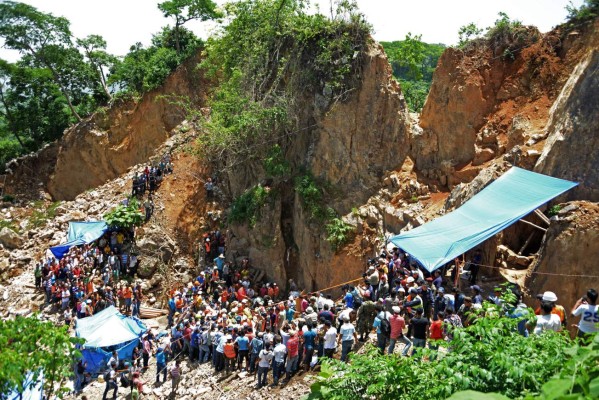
<point>106,331</point>
<point>80,233</point>
<point>509,198</point>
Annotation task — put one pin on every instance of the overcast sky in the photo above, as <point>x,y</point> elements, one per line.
<point>125,22</point>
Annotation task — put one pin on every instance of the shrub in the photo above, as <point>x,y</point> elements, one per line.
<point>125,216</point>
<point>487,356</point>
<point>339,233</point>
<point>246,208</point>
<point>554,210</point>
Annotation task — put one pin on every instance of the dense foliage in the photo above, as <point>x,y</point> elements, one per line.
<point>269,57</point>
<point>413,63</point>
<point>28,345</point>
<point>60,79</point>
<point>269,53</point>
<point>125,216</point>
<point>488,356</point>
<point>248,206</point>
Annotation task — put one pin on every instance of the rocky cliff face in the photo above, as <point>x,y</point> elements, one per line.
<point>567,264</point>
<point>350,146</point>
<point>483,105</point>
<point>572,132</point>
<point>108,143</point>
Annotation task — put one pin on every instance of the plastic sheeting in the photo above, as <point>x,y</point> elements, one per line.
<point>509,198</point>
<point>33,388</point>
<point>80,233</point>
<point>104,332</point>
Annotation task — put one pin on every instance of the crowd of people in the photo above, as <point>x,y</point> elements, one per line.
<point>225,319</point>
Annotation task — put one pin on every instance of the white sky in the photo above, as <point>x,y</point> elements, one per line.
<point>125,22</point>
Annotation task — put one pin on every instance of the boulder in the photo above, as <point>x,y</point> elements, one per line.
<point>10,239</point>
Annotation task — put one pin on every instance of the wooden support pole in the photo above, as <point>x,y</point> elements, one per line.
<point>542,216</point>
<point>526,243</point>
<point>533,225</point>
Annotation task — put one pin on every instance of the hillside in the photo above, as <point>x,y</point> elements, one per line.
<point>316,162</point>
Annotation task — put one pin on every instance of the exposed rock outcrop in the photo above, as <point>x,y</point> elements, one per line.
<point>106,144</point>
<point>350,146</point>
<point>569,251</point>
<point>573,131</point>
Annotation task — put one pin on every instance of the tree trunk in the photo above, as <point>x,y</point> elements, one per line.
<point>57,81</point>
<point>177,44</point>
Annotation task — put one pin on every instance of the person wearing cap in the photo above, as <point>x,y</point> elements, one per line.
<point>558,310</point>
<point>220,263</point>
<point>229,352</point>
<point>161,365</point>
<point>477,298</point>
<point>547,321</point>
<point>587,308</point>
<point>398,325</point>
<point>412,304</point>
<point>347,337</point>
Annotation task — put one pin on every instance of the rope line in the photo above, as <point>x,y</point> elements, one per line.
<point>541,273</point>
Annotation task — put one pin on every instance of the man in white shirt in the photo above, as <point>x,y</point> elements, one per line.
<point>588,309</point>
<point>330,339</point>
<point>347,336</point>
<point>278,366</point>
<point>265,356</point>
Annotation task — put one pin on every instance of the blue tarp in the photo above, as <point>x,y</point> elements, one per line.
<point>33,388</point>
<point>512,196</point>
<point>104,332</point>
<point>80,233</point>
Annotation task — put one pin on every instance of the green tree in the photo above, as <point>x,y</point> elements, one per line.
<point>32,108</point>
<point>186,10</point>
<point>467,33</point>
<point>28,345</point>
<point>94,48</point>
<point>46,39</point>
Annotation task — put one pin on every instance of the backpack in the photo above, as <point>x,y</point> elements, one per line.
<point>385,325</point>
<point>357,300</point>
<point>125,381</point>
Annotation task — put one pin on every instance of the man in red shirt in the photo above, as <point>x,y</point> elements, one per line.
<point>292,354</point>
<point>398,324</point>
<point>436,330</point>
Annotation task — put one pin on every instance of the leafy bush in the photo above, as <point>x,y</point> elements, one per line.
<point>311,196</point>
<point>268,56</point>
<point>275,163</point>
<point>125,216</point>
<point>339,233</point>
<point>468,33</point>
<point>588,11</point>
<point>488,356</point>
<point>507,36</point>
<point>30,345</point>
<point>246,208</point>
<point>415,93</point>
<point>554,210</point>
